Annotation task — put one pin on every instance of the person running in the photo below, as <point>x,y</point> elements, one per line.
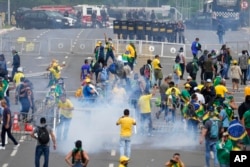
<point>157,68</point>
<point>145,111</point>
<point>175,161</point>
<point>64,108</point>
<point>77,157</point>
<point>43,148</point>
<point>126,131</point>
<point>6,126</point>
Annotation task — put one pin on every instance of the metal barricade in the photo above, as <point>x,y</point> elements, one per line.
<point>60,45</point>
<point>237,46</point>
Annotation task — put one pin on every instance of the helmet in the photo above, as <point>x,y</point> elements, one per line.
<point>20,69</point>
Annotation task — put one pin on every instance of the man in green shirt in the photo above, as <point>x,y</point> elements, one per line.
<point>224,146</point>
<point>246,121</point>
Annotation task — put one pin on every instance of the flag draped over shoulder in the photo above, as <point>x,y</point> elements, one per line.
<point>237,132</point>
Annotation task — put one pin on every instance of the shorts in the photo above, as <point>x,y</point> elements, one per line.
<point>158,74</point>
<point>176,79</point>
<point>235,80</point>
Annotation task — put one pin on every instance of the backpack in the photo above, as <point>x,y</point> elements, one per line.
<point>73,156</point>
<point>214,130</point>
<point>201,60</point>
<point>43,135</point>
<point>178,58</point>
<point>190,110</point>
<point>142,69</point>
<point>243,62</point>
<point>104,75</point>
<point>189,67</point>
<point>112,68</point>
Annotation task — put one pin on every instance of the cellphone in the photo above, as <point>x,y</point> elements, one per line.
<point>173,161</point>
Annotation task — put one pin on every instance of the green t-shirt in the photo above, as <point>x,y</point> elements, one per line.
<point>217,81</point>
<point>185,94</point>
<point>246,117</point>
<point>223,151</point>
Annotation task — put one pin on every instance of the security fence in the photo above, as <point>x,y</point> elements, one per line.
<point>29,46</point>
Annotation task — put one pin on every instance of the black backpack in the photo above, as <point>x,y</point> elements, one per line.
<point>178,58</point>
<point>43,135</point>
<point>189,67</point>
<point>201,60</point>
<point>142,69</point>
<point>191,110</point>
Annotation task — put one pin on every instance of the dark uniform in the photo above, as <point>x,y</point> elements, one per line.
<point>140,30</point>
<point>124,30</point>
<point>148,30</point>
<point>131,29</point>
<point>155,31</point>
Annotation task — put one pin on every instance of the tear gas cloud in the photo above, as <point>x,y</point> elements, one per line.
<point>98,131</point>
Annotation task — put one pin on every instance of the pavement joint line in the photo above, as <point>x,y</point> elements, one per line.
<point>5,165</point>
<point>13,153</point>
<point>113,153</point>
<point>111,165</point>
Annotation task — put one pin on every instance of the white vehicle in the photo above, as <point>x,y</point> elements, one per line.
<point>86,15</point>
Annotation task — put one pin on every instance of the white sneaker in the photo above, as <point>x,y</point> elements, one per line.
<point>2,148</point>
<point>16,146</point>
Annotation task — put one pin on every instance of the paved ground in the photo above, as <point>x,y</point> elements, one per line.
<point>98,131</point>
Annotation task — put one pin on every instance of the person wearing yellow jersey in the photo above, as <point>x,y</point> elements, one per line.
<point>18,76</point>
<point>175,161</point>
<point>247,90</point>
<point>220,91</point>
<point>171,86</point>
<point>126,122</point>
<point>130,48</point>
<point>145,111</point>
<point>239,146</point>
<point>65,108</point>
<point>156,64</point>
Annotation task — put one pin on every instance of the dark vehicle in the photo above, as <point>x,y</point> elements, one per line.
<point>200,21</point>
<point>43,19</point>
<point>19,16</point>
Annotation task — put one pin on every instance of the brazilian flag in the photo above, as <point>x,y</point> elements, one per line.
<point>237,132</point>
<point>125,57</point>
<point>199,112</point>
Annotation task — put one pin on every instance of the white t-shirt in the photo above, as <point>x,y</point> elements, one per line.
<point>182,56</point>
<point>201,98</point>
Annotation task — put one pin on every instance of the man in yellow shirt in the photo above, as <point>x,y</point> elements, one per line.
<point>130,48</point>
<point>156,64</point>
<point>247,90</point>
<point>18,76</point>
<point>220,91</point>
<point>126,130</point>
<point>64,108</point>
<point>145,111</point>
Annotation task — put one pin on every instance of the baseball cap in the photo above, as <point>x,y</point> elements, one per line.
<point>209,80</point>
<point>123,158</point>
<point>187,86</point>
<point>196,88</point>
<point>87,80</point>
<point>189,77</point>
<point>225,134</point>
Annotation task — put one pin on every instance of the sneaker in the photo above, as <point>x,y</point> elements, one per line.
<point>16,146</point>
<point>2,148</point>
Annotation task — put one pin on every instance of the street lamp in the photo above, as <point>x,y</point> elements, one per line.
<point>8,12</point>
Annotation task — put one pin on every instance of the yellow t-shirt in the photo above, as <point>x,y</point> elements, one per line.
<point>220,90</point>
<point>177,91</point>
<point>144,103</point>
<point>55,73</point>
<point>17,77</point>
<point>66,105</point>
<point>131,51</point>
<point>126,126</point>
<point>121,165</point>
<point>155,63</point>
<point>247,91</point>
